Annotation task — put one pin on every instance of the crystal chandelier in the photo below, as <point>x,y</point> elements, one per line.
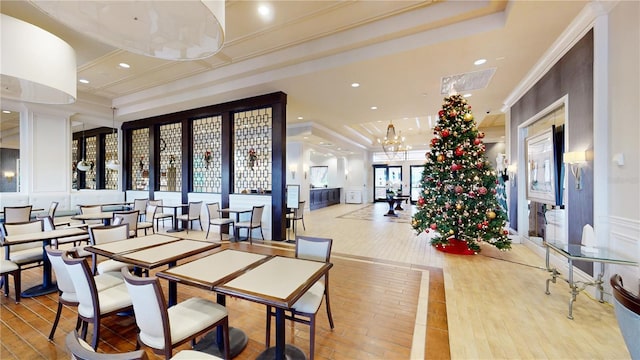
<point>393,144</point>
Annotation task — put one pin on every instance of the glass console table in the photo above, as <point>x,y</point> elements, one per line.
<point>578,252</point>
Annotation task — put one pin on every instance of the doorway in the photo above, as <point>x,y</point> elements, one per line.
<point>386,177</point>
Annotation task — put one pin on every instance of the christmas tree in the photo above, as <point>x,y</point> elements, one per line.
<point>458,198</point>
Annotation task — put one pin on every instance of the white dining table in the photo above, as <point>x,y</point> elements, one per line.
<point>47,286</point>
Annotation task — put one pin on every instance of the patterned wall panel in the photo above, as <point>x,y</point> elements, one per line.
<point>90,153</point>
<point>252,152</point>
<point>74,162</point>
<point>170,157</point>
<point>140,159</point>
<point>207,154</point>
<point>111,152</point>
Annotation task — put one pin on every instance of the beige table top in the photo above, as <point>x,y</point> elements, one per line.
<point>279,281</point>
<point>94,216</point>
<point>42,235</point>
<point>167,253</point>
<point>211,270</point>
<point>130,245</point>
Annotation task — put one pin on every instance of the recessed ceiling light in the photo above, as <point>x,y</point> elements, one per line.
<point>374,108</point>
<point>264,10</point>
<point>479,61</point>
<point>84,81</point>
<point>467,95</point>
<point>6,112</point>
<point>300,118</point>
<point>306,137</point>
<point>124,65</point>
<point>355,85</point>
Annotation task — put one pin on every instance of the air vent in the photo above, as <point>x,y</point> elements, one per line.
<point>466,82</point>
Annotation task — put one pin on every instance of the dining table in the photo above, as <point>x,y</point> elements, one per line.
<point>272,280</point>
<point>175,216</point>
<point>152,251</point>
<point>47,286</point>
<point>237,212</point>
<point>104,216</point>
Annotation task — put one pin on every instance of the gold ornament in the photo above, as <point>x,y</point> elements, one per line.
<point>468,117</point>
<point>451,232</point>
<point>491,215</point>
<point>458,206</point>
<point>440,158</point>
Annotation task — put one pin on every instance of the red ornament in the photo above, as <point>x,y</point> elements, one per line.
<point>459,151</point>
<point>480,134</point>
<point>482,190</point>
<point>480,165</point>
<point>420,201</point>
<point>477,141</point>
<point>458,189</point>
<point>440,113</point>
<point>444,133</point>
<point>453,113</point>
<point>472,194</point>
<point>433,226</point>
<point>479,226</point>
<point>434,141</point>
<point>506,232</point>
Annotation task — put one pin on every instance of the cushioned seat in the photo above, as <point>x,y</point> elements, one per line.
<point>213,211</point>
<point>627,309</point>
<point>8,267</point>
<point>254,223</point>
<point>150,213</point>
<point>193,214</point>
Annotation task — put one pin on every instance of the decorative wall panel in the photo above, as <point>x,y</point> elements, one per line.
<point>171,157</point>
<point>252,150</point>
<point>111,152</point>
<point>90,153</point>
<point>207,154</point>
<point>74,163</point>
<point>140,159</point>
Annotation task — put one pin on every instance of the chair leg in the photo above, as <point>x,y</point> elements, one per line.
<point>304,227</point>
<point>5,281</point>
<point>17,284</point>
<point>200,223</point>
<point>55,322</point>
<point>312,336</point>
<point>96,334</point>
<point>83,334</point>
<point>209,228</point>
<point>78,323</point>
<point>261,233</point>
<point>326,300</point>
<point>225,336</point>
<point>267,340</point>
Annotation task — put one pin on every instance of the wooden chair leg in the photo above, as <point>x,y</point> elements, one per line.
<point>17,283</point>
<point>326,300</point>
<point>267,340</point>
<point>312,336</point>
<point>5,283</point>
<point>55,322</point>
<point>96,334</point>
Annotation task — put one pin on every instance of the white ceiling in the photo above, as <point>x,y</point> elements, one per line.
<point>398,51</point>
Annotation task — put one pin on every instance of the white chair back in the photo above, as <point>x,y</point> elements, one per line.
<point>17,214</point>
<point>140,205</point>
<point>93,209</point>
<point>27,227</point>
<point>52,209</point>
<point>313,248</point>
<point>63,279</point>
<point>150,212</point>
<point>128,217</point>
<point>85,287</point>
<point>194,209</point>
<point>150,308</point>
<point>256,215</point>
<point>105,234</point>
<point>213,210</point>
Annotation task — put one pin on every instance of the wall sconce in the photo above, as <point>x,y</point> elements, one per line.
<point>306,170</point>
<point>292,168</point>
<point>512,170</point>
<point>575,160</point>
<point>9,175</point>
<point>346,173</point>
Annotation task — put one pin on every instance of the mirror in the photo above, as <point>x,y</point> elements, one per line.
<point>9,151</point>
<point>318,176</point>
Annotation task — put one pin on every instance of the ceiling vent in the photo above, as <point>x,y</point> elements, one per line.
<point>462,83</point>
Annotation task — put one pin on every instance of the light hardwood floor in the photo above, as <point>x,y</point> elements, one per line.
<point>383,278</point>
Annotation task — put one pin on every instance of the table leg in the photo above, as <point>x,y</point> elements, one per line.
<point>175,221</point>
<point>213,343</point>
<point>391,212</point>
<point>599,283</point>
<point>281,351</point>
<point>48,286</point>
<point>173,289</point>
<point>574,290</point>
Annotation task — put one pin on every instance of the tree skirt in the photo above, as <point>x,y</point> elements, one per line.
<point>455,246</point>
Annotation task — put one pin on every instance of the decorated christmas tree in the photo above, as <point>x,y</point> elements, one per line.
<point>458,198</point>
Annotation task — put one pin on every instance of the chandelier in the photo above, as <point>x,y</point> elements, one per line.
<point>114,163</point>
<point>393,144</point>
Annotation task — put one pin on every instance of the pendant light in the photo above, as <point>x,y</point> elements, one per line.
<point>83,165</point>
<point>114,163</point>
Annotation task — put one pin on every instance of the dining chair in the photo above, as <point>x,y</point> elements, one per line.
<point>254,223</point>
<point>66,291</point>
<point>305,309</point>
<point>163,329</point>
<point>627,308</point>
<point>93,305</point>
<point>128,217</point>
<point>80,350</point>
<point>150,213</point>
<point>105,234</point>
<point>25,256</point>
<point>140,205</point>
<point>160,214</point>
<point>8,267</point>
<point>213,212</point>
<point>48,225</point>
<point>193,214</point>
<point>17,214</point>
<point>297,215</point>
<point>91,209</point>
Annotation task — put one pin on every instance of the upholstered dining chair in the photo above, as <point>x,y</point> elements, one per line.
<point>162,329</point>
<point>47,224</point>
<point>17,214</point>
<point>91,209</point>
<point>80,350</point>
<point>66,290</point>
<point>254,223</point>
<point>213,213</point>
<point>149,215</point>
<point>140,205</point>
<point>297,215</point>
<point>305,309</point>
<point>193,214</point>
<point>160,214</point>
<point>128,217</point>
<point>93,305</point>
<point>25,256</point>
<point>105,234</point>
<point>627,309</point>
<point>8,267</point>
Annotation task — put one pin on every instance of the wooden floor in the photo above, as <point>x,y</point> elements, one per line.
<point>392,296</point>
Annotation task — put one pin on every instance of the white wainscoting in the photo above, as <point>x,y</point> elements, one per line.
<point>241,201</point>
<point>624,235</point>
